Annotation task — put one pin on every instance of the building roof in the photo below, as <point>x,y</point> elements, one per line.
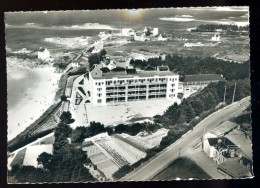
<point>149,67</point>
<point>42,49</point>
<point>203,77</point>
<point>163,68</point>
<point>223,140</point>
<point>223,145</point>
<point>246,161</point>
<point>224,128</point>
<point>123,74</point>
<point>234,169</point>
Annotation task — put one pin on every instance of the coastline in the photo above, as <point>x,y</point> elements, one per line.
<point>34,100</point>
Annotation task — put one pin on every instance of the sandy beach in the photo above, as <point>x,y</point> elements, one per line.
<point>27,104</point>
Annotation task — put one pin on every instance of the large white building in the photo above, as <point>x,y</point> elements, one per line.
<point>130,85</point>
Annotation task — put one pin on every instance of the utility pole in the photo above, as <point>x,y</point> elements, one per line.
<point>225,94</point>
<point>234,92</point>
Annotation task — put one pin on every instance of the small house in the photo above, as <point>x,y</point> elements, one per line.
<point>216,38</point>
<point>43,54</point>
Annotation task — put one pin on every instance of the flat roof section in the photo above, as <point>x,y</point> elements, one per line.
<point>234,169</point>
<point>123,74</point>
<point>203,77</point>
<point>224,128</point>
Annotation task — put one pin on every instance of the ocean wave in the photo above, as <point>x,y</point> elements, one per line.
<point>30,23</point>
<point>85,26</point>
<point>225,19</point>
<point>8,25</point>
<point>231,9</point>
<point>245,15</point>
<point>227,22</point>
<point>22,51</point>
<point>177,19</point>
<point>185,16</point>
<point>69,42</point>
<point>90,26</point>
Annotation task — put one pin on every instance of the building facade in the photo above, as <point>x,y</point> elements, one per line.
<point>130,85</point>
<point>193,83</point>
<point>220,149</point>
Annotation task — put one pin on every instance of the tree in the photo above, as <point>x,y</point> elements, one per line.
<point>66,117</point>
<point>45,159</point>
<point>93,59</point>
<point>96,57</point>
<point>121,128</point>
<point>78,134</point>
<point>190,113</point>
<point>63,98</point>
<point>182,117</point>
<point>95,128</point>
<point>102,53</point>
<point>218,71</point>
<point>109,130</point>
<point>61,133</point>
<point>122,171</point>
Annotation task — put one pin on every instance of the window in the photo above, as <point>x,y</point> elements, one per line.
<point>99,101</point>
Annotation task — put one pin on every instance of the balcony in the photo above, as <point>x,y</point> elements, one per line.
<point>156,93</point>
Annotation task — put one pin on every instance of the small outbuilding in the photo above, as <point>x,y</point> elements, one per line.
<point>43,54</point>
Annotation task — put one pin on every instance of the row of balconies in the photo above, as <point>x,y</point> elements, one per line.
<point>197,83</point>
<point>156,93</point>
<point>133,98</point>
<point>136,94</point>
<point>135,89</point>
<point>152,88</point>
<point>137,83</point>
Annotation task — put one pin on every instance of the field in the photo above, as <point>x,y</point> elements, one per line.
<point>182,168</point>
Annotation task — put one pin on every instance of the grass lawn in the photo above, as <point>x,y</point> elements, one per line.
<point>183,168</point>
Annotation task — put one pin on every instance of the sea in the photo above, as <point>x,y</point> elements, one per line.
<point>29,29</point>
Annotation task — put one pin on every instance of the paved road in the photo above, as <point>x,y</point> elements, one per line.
<point>169,154</point>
